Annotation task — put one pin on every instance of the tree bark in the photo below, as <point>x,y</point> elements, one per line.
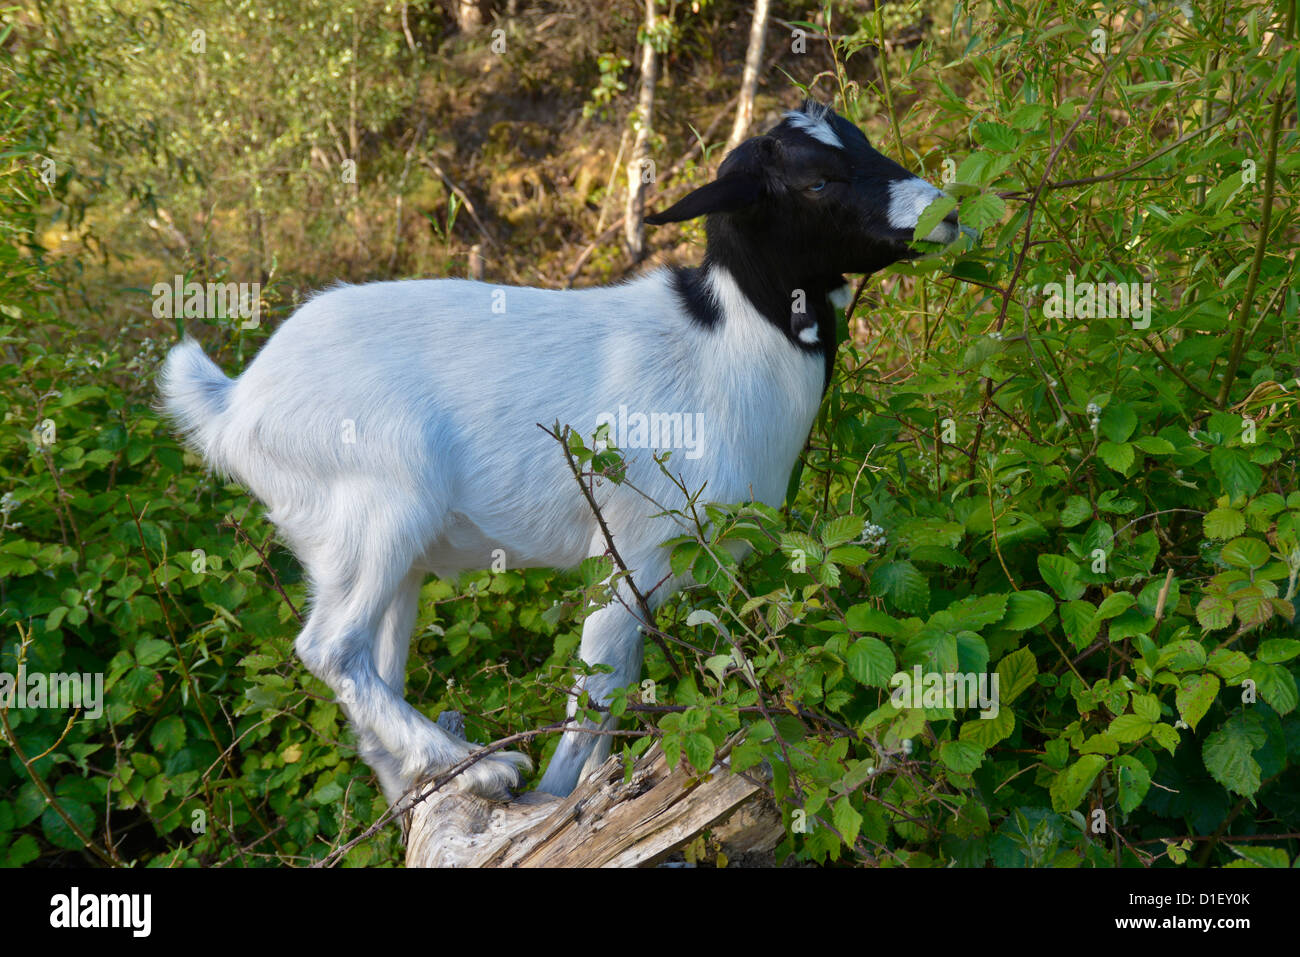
<point>469,15</point>
<point>639,174</point>
<point>605,822</point>
<point>749,80</point>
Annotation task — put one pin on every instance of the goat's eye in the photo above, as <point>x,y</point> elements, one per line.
<point>817,187</point>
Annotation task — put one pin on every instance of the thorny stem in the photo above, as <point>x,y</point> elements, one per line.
<point>1261,242</point>
<point>647,615</point>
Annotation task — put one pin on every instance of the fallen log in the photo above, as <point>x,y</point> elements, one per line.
<point>606,822</point>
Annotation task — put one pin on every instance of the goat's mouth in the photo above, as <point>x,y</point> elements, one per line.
<point>947,232</point>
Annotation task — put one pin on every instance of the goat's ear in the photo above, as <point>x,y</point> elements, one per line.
<point>722,195</point>
<point>741,179</point>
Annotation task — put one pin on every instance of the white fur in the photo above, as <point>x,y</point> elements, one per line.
<point>908,199</point>
<point>391,431</point>
<point>815,125</point>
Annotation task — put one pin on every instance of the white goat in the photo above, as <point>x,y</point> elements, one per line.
<point>391,428</point>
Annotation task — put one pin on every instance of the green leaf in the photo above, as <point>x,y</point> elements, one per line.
<point>868,618</point>
<point>1130,624</point>
<point>903,586</point>
<point>972,653</point>
<point>933,216</point>
<point>982,210</point>
<point>168,734</point>
<point>1016,672</point>
<point>149,651</point>
<point>22,851</point>
<point>1223,523</point>
<point>1128,728</point>
<point>1025,609</point>
<point>997,137</point>
<point>1166,736</point>
<point>718,664</point>
<point>1114,604</point>
<point>870,662</point>
<point>1228,754</point>
<point>1028,116</point>
<point>595,569</point>
<point>1245,553</point>
<point>1099,744</point>
<point>854,556</point>
<point>933,649</point>
<point>1118,457</point>
<point>960,756</point>
<point>1214,612</point>
<point>846,820</point>
<point>1229,665</point>
<point>975,612</point>
<point>1072,784</point>
<point>1146,706</point>
<point>1183,655</point>
<point>1118,421</point>
<point>1278,650</point>
<point>699,751</point>
<point>939,555</point>
<point>840,530</point>
<point>56,829</point>
<point>983,732</point>
<point>1061,575</point>
<point>1276,686</point>
<point>1133,780</point>
<point>1195,695</point>
<point>1079,619</point>
<point>1259,856</point>
<point>1153,445</point>
<point>1076,509</point>
<point>1239,475</point>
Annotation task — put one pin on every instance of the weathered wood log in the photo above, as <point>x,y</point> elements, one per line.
<point>605,822</point>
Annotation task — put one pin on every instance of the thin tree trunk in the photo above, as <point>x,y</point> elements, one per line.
<point>359,229</point>
<point>749,80</point>
<point>469,16</point>
<point>639,173</point>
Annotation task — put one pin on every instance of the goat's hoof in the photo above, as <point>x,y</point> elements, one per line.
<point>497,777</point>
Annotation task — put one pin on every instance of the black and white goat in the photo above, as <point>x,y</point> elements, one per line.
<point>391,428</point>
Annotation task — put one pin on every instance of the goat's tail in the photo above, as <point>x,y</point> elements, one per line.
<point>195,396</point>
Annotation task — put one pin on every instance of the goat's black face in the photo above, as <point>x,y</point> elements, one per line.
<point>813,193</point>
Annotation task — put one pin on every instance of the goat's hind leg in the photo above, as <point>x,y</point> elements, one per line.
<point>339,646</point>
<point>392,646</point>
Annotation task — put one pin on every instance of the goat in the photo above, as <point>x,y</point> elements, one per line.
<point>391,428</point>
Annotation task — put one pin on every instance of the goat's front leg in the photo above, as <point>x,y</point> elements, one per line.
<point>610,636</point>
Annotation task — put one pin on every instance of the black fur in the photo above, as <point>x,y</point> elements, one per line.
<point>777,235</point>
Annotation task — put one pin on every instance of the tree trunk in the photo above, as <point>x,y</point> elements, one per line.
<point>749,80</point>
<point>603,823</point>
<point>469,15</point>
<point>640,172</point>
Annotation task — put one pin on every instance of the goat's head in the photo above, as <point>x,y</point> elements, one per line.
<point>813,193</point>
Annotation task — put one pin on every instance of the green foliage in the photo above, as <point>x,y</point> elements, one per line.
<point>1101,514</point>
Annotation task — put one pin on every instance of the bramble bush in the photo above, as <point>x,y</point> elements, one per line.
<point>1009,476</point>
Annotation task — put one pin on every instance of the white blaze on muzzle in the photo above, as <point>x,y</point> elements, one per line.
<point>908,199</point>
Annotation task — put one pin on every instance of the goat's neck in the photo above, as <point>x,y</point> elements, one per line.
<point>792,296</point>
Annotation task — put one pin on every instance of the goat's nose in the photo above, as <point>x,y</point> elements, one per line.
<point>951,218</point>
